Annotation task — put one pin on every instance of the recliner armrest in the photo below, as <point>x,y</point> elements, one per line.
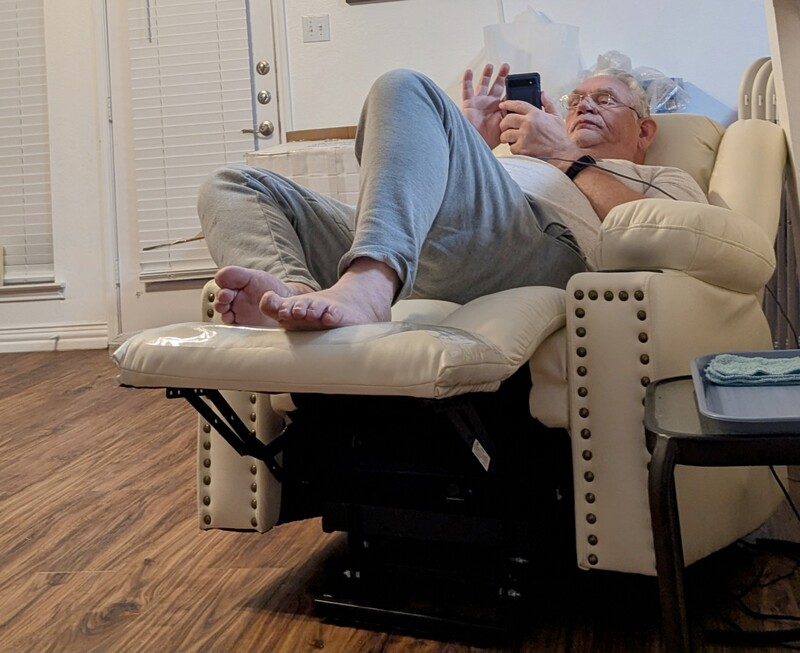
<point>624,330</point>
<point>709,243</point>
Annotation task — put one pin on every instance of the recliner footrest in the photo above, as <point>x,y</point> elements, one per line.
<point>473,349</point>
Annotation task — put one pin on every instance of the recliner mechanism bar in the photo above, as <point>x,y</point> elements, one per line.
<point>231,427</point>
<point>470,427</point>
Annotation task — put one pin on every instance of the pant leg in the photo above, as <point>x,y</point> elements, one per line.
<point>258,219</point>
<point>437,206</point>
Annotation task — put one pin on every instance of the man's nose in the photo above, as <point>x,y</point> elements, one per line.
<point>586,105</point>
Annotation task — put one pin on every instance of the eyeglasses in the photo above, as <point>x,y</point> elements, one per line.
<point>603,99</point>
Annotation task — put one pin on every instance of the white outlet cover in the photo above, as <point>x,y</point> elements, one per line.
<point>316,28</point>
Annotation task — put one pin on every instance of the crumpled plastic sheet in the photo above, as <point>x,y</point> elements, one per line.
<point>664,94</point>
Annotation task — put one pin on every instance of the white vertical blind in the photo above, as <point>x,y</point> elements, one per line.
<point>26,230</point>
<point>191,98</point>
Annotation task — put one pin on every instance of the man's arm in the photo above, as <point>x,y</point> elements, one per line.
<point>603,190</point>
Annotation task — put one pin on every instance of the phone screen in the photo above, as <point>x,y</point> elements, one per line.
<point>526,87</point>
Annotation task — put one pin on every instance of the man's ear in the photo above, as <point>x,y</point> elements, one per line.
<point>647,132</point>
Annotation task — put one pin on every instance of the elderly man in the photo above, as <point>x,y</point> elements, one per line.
<point>439,215</point>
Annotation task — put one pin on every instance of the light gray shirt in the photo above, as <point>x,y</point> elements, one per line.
<point>551,187</point>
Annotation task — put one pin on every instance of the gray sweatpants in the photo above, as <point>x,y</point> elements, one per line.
<point>435,205</point>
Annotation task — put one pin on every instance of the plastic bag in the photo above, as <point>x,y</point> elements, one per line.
<point>533,42</point>
<point>664,94</point>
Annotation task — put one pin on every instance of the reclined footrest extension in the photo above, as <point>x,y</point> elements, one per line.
<point>231,427</point>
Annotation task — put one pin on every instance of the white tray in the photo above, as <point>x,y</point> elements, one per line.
<point>748,409</point>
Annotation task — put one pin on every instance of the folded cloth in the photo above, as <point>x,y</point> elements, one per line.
<point>733,369</point>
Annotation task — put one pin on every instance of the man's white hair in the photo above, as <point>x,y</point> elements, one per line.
<point>640,104</point>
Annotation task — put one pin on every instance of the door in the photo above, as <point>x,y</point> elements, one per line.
<point>193,86</point>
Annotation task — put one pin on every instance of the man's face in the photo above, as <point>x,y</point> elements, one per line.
<point>608,132</point>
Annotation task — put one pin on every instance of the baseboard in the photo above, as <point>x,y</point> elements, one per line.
<point>54,337</point>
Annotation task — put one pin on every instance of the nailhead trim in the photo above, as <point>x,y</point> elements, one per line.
<point>582,391</point>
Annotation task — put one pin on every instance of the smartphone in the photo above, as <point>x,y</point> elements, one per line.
<point>526,87</point>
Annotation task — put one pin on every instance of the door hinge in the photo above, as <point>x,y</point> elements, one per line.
<point>108,110</point>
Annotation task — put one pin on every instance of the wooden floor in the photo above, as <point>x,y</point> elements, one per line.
<point>100,549</point>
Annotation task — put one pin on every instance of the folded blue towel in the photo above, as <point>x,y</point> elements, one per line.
<point>732,369</point>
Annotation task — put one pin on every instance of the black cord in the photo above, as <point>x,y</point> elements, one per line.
<point>785,492</point>
<point>786,638</point>
<point>783,313</point>
<point>612,172</point>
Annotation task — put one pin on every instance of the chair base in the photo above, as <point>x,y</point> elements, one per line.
<point>454,508</point>
<point>450,592</point>
<point>439,543</point>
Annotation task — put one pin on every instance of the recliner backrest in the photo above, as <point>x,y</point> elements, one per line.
<point>739,167</point>
<point>686,141</point>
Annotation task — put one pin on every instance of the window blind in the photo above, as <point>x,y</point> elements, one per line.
<point>26,231</point>
<point>191,98</point>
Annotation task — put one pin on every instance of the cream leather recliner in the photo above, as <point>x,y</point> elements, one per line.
<point>677,280</point>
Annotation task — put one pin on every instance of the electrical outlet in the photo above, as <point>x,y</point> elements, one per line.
<point>316,28</point>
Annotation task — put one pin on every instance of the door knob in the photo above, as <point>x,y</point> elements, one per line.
<point>262,67</point>
<point>265,128</point>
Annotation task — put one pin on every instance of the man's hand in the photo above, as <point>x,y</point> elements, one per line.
<point>480,104</point>
<point>535,132</point>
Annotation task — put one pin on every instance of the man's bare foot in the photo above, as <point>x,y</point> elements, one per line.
<point>363,295</point>
<point>241,290</point>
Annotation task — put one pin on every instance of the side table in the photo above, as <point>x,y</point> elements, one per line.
<point>678,434</point>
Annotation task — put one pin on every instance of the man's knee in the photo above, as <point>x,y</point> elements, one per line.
<point>400,81</point>
<point>218,185</point>
<point>232,179</point>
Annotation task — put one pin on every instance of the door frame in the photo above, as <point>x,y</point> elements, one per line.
<point>172,300</point>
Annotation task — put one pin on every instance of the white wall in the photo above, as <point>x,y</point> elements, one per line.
<point>707,42</point>
<point>330,79</point>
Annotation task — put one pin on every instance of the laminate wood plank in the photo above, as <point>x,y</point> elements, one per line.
<point>100,551</point>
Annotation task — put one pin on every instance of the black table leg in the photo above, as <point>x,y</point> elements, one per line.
<point>668,546</point>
